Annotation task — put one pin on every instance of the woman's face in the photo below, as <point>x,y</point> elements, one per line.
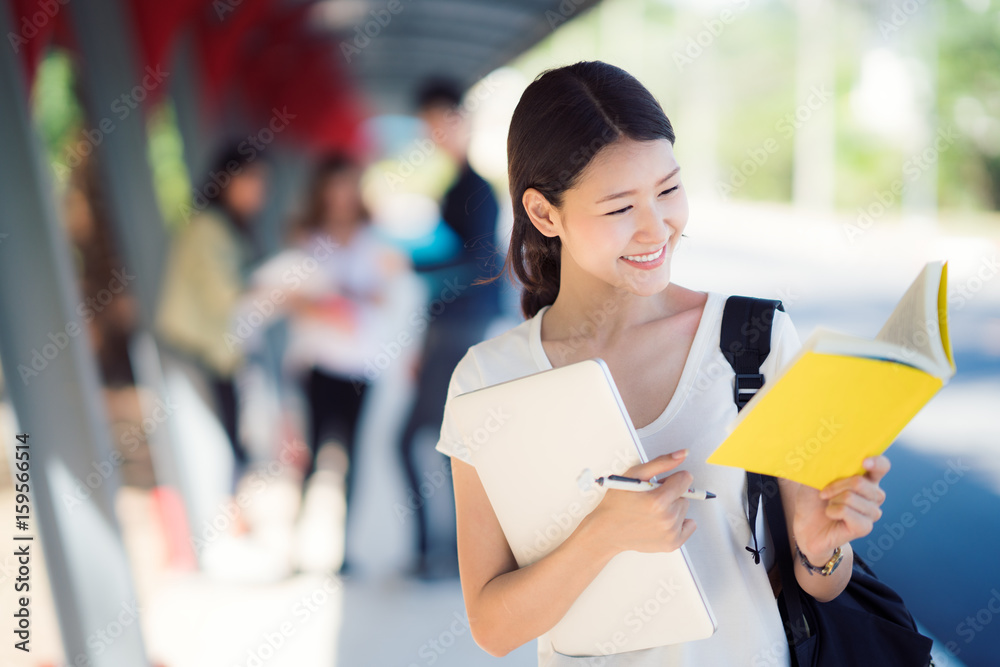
<point>623,219</point>
<point>247,191</point>
<point>342,198</point>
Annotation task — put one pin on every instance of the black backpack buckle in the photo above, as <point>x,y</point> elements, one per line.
<point>746,386</point>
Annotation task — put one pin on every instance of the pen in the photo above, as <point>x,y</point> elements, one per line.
<point>633,484</point>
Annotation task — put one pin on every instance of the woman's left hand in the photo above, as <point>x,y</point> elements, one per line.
<point>845,510</point>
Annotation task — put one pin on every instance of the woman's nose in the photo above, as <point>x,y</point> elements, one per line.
<point>651,226</point>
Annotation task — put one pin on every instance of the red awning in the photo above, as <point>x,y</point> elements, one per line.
<point>259,53</point>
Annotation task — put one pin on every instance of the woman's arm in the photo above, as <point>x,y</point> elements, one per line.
<point>508,606</point>
<point>820,521</point>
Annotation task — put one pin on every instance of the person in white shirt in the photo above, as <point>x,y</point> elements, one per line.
<point>343,310</point>
<point>599,210</point>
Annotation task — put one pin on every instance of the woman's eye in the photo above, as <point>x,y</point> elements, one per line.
<point>623,210</point>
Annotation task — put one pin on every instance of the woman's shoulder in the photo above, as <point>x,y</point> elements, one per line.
<point>783,336</point>
<point>205,232</point>
<point>780,319</point>
<point>208,224</point>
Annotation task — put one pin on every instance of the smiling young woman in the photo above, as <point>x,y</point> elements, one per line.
<point>599,210</point>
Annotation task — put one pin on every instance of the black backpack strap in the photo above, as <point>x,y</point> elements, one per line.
<point>746,342</point>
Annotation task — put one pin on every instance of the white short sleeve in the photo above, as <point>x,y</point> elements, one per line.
<point>465,378</point>
<point>785,343</point>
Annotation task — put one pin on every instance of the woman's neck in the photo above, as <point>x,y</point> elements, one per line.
<point>610,311</point>
<point>340,231</point>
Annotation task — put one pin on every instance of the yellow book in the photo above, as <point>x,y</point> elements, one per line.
<point>843,398</point>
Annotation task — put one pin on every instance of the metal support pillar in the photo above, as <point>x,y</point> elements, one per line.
<point>115,91</point>
<point>53,383</point>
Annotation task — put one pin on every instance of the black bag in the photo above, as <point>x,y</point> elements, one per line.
<point>867,624</point>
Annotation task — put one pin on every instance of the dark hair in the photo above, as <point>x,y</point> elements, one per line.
<point>564,118</point>
<point>327,167</point>
<point>438,92</point>
<point>230,159</point>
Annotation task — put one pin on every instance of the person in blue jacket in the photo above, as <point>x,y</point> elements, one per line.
<point>461,310</point>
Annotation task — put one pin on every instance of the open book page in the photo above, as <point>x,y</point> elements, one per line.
<point>830,341</point>
<point>916,324</point>
<point>942,306</point>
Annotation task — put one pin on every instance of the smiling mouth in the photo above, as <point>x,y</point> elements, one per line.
<point>645,258</point>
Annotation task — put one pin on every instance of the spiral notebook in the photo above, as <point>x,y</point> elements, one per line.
<point>530,439</point>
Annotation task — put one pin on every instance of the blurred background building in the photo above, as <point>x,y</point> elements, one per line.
<point>829,151</point>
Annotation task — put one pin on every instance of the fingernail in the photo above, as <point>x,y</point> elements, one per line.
<point>679,454</point>
<point>868,463</point>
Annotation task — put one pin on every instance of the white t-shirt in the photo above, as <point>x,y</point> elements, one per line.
<point>362,271</point>
<point>749,626</point>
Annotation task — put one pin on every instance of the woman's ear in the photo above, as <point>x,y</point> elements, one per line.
<point>541,212</point>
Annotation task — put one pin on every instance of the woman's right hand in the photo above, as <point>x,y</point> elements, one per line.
<point>648,521</point>
<point>510,605</point>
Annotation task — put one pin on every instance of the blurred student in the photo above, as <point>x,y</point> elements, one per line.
<point>206,275</point>
<point>470,209</point>
<point>341,312</point>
